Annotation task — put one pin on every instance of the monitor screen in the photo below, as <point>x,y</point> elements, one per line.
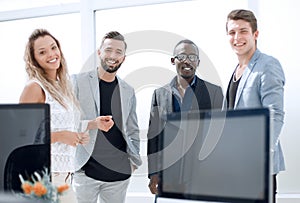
<point>24,143</point>
<point>221,156</point>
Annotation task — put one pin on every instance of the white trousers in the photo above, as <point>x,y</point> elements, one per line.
<point>89,190</point>
<point>59,179</point>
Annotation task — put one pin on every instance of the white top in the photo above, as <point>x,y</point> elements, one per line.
<point>62,155</point>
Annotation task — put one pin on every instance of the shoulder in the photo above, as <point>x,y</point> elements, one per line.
<point>266,59</point>
<point>209,85</point>
<point>269,65</point>
<point>164,89</point>
<point>33,92</point>
<point>124,84</point>
<point>84,75</point>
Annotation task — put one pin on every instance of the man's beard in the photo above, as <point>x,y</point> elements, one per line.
<point>107,68</point>
<point>187,76</point>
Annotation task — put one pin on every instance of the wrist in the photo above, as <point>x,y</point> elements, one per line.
<point>92,125</point>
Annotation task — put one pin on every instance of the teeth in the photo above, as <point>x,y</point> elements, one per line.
<point>53,60</point>
<point>241,44</point>
<point>111,61</point>
<point>186,68</point>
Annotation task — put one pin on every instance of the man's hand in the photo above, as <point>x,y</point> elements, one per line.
<point>153,184</point>
<point>104,123</point>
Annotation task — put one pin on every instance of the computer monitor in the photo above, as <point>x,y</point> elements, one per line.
<point>24,143</point>
<point>219,156</point>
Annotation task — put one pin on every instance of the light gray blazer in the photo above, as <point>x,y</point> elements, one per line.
<point>262,85</point>
<point>86,88</point>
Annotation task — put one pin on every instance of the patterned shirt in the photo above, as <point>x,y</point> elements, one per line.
<point>62,155</point>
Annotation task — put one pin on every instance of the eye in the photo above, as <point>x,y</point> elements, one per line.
<point>181,57</point>
<point>108,50</point>
<point>42,52</point>
<point>231,33</point>
<point>119,52</point>
<point>54,47</point>
<point>193,57</point>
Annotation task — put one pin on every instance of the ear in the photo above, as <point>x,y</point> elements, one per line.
<point>98,52</point>
<point>256,34</point>
<point>124,58</point>
<point>173,61</point>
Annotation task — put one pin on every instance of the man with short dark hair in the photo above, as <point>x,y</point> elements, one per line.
<point>115,138</point>
<point>257,81</point>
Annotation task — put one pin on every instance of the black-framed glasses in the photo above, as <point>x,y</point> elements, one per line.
<point>183,57</point>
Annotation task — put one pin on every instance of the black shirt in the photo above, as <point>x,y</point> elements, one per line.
<point>109,161</point>
<point>232,92</point>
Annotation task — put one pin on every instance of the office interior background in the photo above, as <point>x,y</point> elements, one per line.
<point>152,28</point>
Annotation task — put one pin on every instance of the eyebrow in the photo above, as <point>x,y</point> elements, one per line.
<point>42,48</point>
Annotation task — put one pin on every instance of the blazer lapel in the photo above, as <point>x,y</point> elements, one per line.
<point>245,76</point>
<point>125,100</point>
<point>169,95</point>
<point>94,85</point>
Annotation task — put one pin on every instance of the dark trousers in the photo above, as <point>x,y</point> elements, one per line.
<point>274,188</point>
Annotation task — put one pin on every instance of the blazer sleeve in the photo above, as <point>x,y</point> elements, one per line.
<point>271,91</point>
<point>154,132</point>
<point>132,130</point>
<point>217,98</point>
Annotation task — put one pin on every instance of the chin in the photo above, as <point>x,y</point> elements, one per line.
<point>187,76</point>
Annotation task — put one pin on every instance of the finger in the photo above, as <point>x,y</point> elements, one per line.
<point>153,190</point>
<point>105,118</point>
<point>79,136</point>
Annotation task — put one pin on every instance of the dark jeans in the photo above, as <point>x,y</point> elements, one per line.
<point>274,188</point>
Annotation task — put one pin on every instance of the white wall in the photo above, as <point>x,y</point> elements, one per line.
<point>201,21</point>
<point>279,36</point>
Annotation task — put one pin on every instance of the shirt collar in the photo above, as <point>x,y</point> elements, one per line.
<point>174,83</point>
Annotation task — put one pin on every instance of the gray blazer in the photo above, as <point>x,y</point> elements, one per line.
<point>262,86</point>
<point>86,88</point>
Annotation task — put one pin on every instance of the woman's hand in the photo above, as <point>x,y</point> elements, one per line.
<point>66,137</point>
<point>84,137</point>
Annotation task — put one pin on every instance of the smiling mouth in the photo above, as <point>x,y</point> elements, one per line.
<point>111,62</point>
<point>239,44</point>
<point>187,68</point>
<point>53,60</point>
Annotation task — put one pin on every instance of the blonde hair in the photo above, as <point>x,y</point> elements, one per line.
<point>61,90</point>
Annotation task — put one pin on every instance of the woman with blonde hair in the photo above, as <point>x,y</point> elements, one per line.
<point>49,82</point>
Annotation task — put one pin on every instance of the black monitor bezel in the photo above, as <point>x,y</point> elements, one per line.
<point>46,125</point>
<point>219,113</point>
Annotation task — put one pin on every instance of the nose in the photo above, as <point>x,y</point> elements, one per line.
<point>51,53</point>
<point>187,60</point>
<point>236,36</point>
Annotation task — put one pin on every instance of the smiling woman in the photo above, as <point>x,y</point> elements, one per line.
<point>12,49</point>
<point>49,83</point>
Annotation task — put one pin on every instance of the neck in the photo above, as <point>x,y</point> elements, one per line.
<point>245,58</point>
<point>106,76</point>
<point>52,75</point>
<point>183,83</point>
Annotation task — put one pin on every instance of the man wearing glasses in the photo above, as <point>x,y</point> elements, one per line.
<point>186,92</point>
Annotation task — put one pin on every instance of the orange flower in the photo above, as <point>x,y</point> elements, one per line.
<point>27,187</point>
<point>62,188</point>
<point>39,189</point>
